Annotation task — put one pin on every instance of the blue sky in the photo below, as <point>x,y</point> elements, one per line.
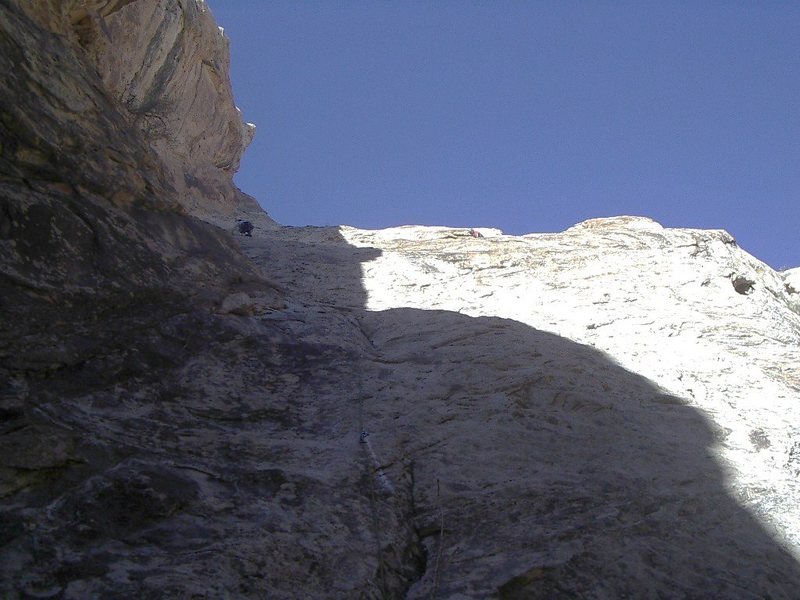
<point>526,116</point>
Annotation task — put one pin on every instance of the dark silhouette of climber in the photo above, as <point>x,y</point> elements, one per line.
<point>245,227</point>
<point>743,285</point>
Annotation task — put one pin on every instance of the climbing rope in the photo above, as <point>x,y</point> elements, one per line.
<point>384,482</point>
<point>380,474</point>
<point>363,439</point>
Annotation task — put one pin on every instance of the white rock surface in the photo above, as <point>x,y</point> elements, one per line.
<point>616,355</point>
<point>659,302</point>
<point>791,278</point>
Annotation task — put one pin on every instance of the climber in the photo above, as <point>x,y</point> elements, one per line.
<point>245,227</point>
<point>742,284</point>
<point>475,233</point>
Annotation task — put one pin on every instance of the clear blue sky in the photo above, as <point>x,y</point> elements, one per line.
<point>527,116</point>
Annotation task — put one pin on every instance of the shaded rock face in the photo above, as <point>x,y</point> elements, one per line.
<point>336,413</point>
<point>106,287</point>
<point>87,211</point>
<point>165,66</point>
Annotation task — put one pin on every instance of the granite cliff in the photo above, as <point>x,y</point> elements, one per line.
<point>607,412</point>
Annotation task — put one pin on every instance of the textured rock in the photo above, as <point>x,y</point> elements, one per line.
<point>106,287</point>
<point>166,63</point>
<point>413,412</point>
<point>71,17</point>
<point>791,278</point>
<point>627,416</point>
<point>165,66</point>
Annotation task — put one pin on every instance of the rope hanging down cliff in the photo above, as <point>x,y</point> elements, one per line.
<point>382,481</point>
<point>363,439</point>
<point>380,474</point>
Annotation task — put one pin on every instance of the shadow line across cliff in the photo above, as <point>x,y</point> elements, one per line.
<point>538,467</point>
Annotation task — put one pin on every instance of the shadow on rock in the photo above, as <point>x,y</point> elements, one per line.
<point>545,470</point>
<point>524,465</point>
<point>152,447</point>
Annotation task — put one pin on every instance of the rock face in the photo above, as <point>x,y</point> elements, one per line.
<point>595,413</point>
<point>338,413</point>
<point>791,278</point>
<point>165,66</point>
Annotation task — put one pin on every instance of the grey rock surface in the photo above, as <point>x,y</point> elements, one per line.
<point>338,413</point>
